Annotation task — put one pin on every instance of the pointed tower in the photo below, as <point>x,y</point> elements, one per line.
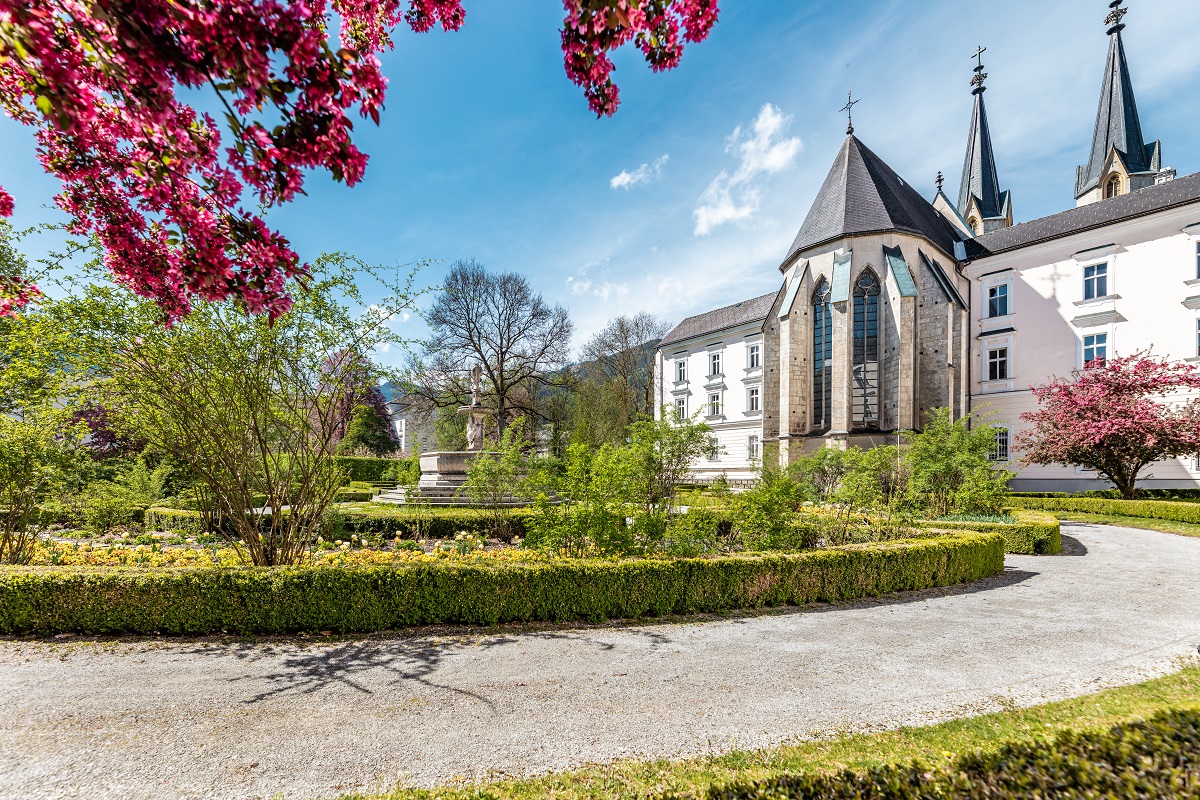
<point>1121,161</point>
<point>980,201</point>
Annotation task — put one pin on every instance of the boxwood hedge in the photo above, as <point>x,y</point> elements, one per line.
<point>1149,509</point>
<point>1155,758</point>
<point>47,600</point>
<point>1032,534</point>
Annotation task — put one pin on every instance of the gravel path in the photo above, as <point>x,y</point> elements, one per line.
<point>310,719</point>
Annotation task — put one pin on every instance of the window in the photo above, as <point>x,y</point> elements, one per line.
<point>681,408</point>
<point>1198,337</point>
<point>1195,462</point>
<point>822,384</point>
<point>1113,187</point>
<point>866,350</point>
<point>998,364</point>
<point>714,404</point>
<point>714,449</point>
<point>714,364</point>
<point>754,357</point>
<point>998,300</point>
<point>1000,450</point>
<point>752,399</point>
<point>681,370</point>
<point>973,224</point>
<point>752,448</point>
<point>1095,281</point>
<point>1198,258</point>
<point>1095,348</point>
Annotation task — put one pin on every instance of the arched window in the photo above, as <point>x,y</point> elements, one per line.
<point>822,384</point>
<point>1113,187</point>
<point>866,351</point>
<point>973,224</point>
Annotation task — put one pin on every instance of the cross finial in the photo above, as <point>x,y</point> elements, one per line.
<point>940,181</point>
<point>978,56</point>
<point>980,75</point>
<point>849,109</point>
<point>1113,20</point>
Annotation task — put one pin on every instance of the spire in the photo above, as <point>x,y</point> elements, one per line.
<point>979,179</point>
<point>1117,123</point>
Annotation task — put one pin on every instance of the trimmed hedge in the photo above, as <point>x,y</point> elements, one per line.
<point>1113,494</point>
<point>173,519</point>
<point>423,522</point>
<point>1155,758</point>
<point>1033,534</point>
<point>353,495</point>
<point>48,600</point>
<point>1148,509</point>
<point>365,469</point>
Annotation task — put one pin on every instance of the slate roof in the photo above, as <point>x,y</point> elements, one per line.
<point>863,195</point>
<point>747,311</point>
<point>1161,197</point>
<point>979,179</point>
<point>1117,122</point>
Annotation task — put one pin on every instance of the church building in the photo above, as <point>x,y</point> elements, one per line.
<point>892,305</point>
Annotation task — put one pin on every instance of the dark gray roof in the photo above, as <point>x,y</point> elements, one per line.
<point>1117,122</point>
<point>979,179</point>
<point>863,195</point>
<point>1163,196</point>
<point>747,311</point>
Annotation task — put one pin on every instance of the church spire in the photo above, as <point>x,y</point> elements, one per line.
<point>1120,161</point>
<point>980,200</point>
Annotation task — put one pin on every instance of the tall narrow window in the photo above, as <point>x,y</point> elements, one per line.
<point>1198,259</point>
<point>1095,348</point>
<point>822,384</point>
<point>714,449</point>
<point>1000,450</point>
<point>681,408</point>
<point>1198,337</point>
<point>998,364</point>
<point>1113,187</point>
<point>681,371</point>
<point>714,404</point>
<point>866,350</point>
<point>752,399</point>
<point>1095,281</point>
<point>754,357</point>
<point>752,448</point>
<point>714,364</point>
<point>998,300</point>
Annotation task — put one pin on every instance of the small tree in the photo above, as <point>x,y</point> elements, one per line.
<point>496,477</point>
<point>949,468</point>
<point>662,453</point>
<point>621,357</point>
<point>822,471</point>
<point>368,431</point>
<point>35,455</point>
<point>1116,417</point>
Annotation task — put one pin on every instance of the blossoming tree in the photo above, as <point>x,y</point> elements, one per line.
<point>1116,417</point>
<point>168,192</point>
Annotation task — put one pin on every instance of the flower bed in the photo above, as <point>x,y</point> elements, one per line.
<point>47,600</point>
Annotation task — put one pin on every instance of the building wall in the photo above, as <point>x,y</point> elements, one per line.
<point>1152,304</point>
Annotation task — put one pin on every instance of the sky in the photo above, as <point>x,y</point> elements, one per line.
<point>688,198</point>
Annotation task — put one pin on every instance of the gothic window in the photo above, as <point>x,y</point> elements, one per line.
<point>1113,187</point>
<point>822,384</point>
<point>866,350</point>
<point>974,225</point>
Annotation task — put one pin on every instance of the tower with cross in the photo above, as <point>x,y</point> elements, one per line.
<point>982,205</point>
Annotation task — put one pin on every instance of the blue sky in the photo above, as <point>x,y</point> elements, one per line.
<point>487,151</point>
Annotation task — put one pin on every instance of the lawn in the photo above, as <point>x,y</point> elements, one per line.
<point>936,745</point>
<point>1164,525</point>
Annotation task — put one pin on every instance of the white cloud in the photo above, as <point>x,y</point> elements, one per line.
<point>734,197</point>
<point>643,174</point>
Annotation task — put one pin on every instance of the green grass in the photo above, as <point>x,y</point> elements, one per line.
<point>936,745</point>
<point>1163,525</point>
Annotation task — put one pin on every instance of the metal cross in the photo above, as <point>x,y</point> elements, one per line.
<point>940,181</point>
<point>849,109</point>
<point>978,56</point>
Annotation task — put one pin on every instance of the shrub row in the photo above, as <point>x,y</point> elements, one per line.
<point>419,522</point>
<point>48,600</point>
<point>1154,758</point>
<point>365,469</point>
<point>1148,509</point>
<point>1032,534</point>
<point>1113,494</point>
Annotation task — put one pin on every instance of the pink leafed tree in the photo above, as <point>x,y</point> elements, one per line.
<point>1116,417</point>
<point>173,196</point>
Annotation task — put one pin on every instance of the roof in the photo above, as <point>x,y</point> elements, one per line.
<point>979,179</point>
<point>742,313</point>
<point>1117,122</point>
<point>1161,197</point>
<point>943,280</point>
<point>863,195</point>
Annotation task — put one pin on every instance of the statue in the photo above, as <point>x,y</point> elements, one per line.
<point>476,386</point>
<point>475,432</point>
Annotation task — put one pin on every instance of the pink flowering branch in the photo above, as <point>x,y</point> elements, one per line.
<point>165,189</point>
<point>1116,417</point>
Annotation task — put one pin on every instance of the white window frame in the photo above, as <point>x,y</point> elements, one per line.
<point>681,369</point>
<point>1109,289</point>
<point>681,407</point>
<point>715,406</point>
<point>754,355</point>
<point>754,447</point>
<point>715,360</point>
<point>715,444</point>
<point>1001,353</point>
<point>986,347</point>
<point>996,456</point>
<point>989,285</point>
<point>753,400</point>
<point>1196,257</point>
<point>1198,337</point>
<point>1083,344</point>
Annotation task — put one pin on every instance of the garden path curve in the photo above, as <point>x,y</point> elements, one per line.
<point>300,719</point>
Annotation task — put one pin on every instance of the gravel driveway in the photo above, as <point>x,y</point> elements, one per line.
<point>305,719</point>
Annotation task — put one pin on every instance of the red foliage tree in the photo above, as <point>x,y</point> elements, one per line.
<point>1116,417</point>
<point>149,175</point>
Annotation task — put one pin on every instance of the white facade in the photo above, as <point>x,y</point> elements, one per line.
<point>1041,311</point>
<point>717,378</point>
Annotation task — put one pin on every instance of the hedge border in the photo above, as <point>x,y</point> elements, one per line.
<point>1174,510</point>
<point>1033,534</point>
<point>50,600</point>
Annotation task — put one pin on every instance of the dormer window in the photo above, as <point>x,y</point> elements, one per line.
<point>1113,187</point>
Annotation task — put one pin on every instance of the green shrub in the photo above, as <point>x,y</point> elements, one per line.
<point>1029,533</point>
<point>764,517</point>
<point>1155,758</point>
<point>174,519</point>
<point>365,469</point>
<point>425,522</point>
<point>1147,509</point>
<point>47,600</point>
<point>353,495</point>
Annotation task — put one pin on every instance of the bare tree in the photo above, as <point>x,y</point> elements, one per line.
<point>622,355</point>
<point>497,321</point>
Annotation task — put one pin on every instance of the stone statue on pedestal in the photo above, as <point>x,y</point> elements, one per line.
<point>476,385</point>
